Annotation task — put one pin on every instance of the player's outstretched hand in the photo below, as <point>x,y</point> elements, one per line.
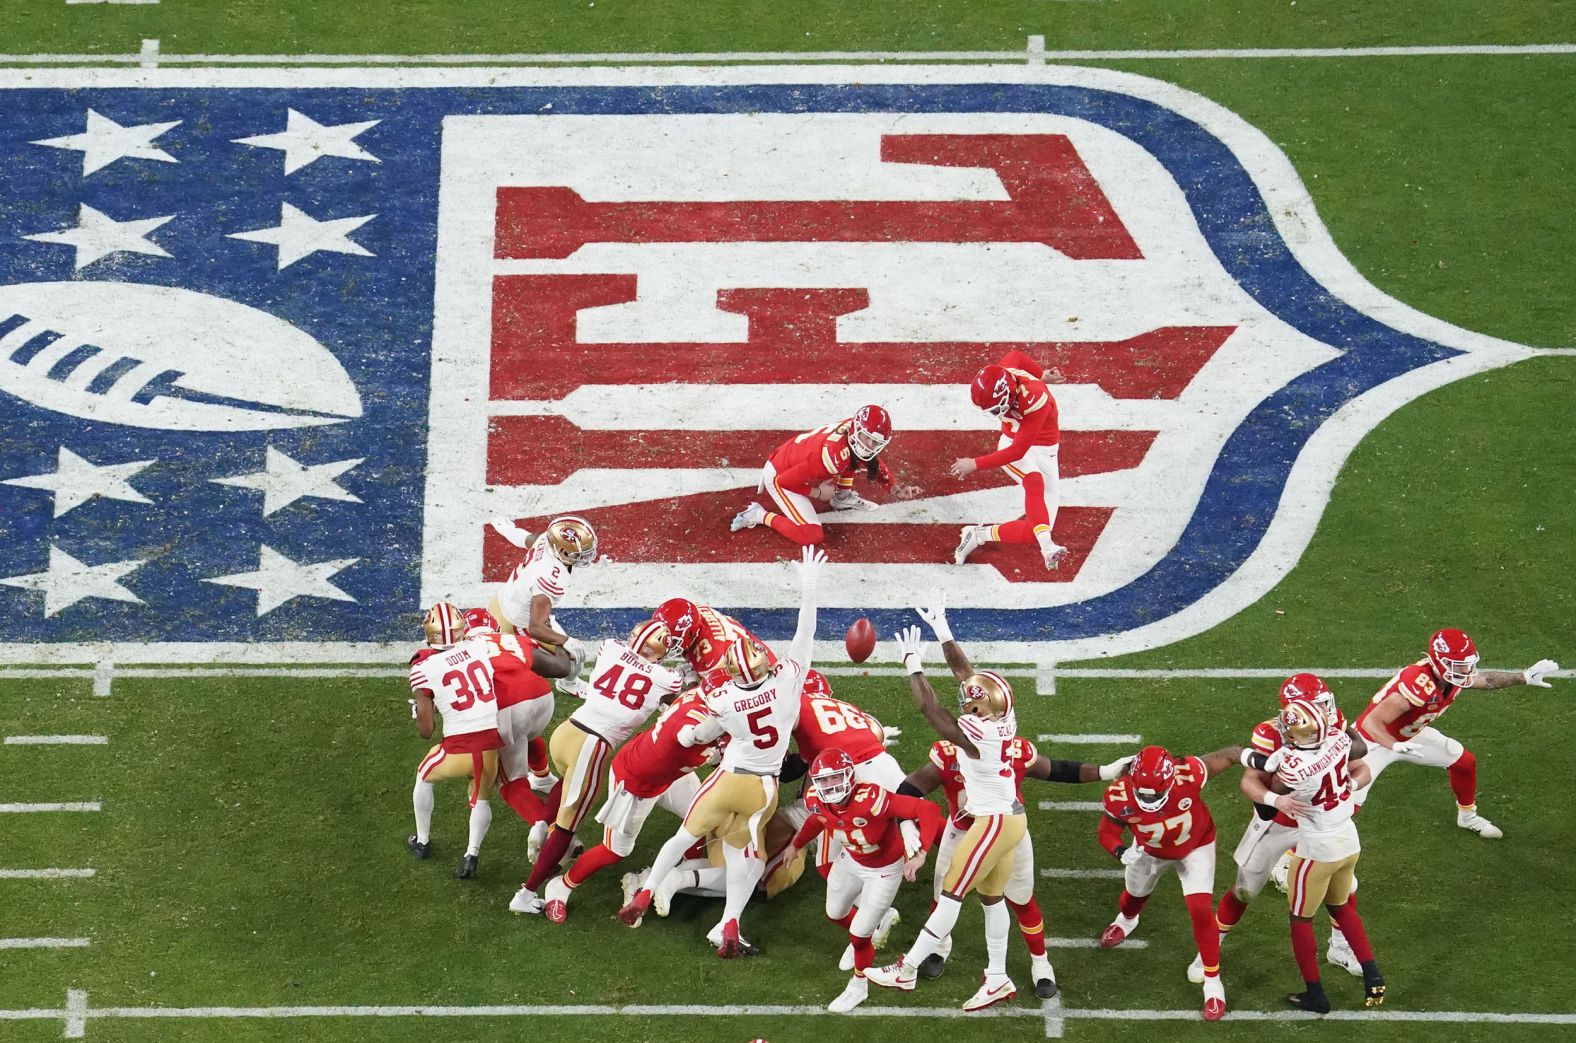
<point>911,649</point>
<point>507,528</point>
<point>1115,769</point>
<point>1291,805</point>
<point>963,466</point>
<point>1535,674</point>
<point>889,735</point>
<point>810,562</point>
<point>936,615</point>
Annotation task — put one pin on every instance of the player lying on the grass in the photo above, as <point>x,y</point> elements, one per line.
<point>1161,800</point>
<point>816,463</point>
<point>1397,723</point>
<point>943,769</point>
<point>455,675</point>
<point>983,732</point>
<point>654,769</point>
<point>527,598</point>
<point>627,684</point>
<point>1318,768</point>
<point>1014,391</point>
<point>1272,832</point>
<point>873,858</point>
<point>701,636</point>
<point>758,707</point>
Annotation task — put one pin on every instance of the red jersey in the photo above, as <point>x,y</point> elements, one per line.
<point>1182,823</point>
<point>513,679</point>
<point>867,823</point>
<point>1031,417</point>
<point>807,460</point>
<point>708,647</point>
<point>826,723</point>
<point>1427,697</point>
<point>944,755</point>
<point>673,747</point>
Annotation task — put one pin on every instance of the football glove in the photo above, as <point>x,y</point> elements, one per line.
<point>1115,768</point>
<point>1535,674</point>
<point>848,500</point>
<point>936,616</point>
<point>511,532</point>
<point>889,735</point>
<point>1130,854</point>
<point>810,563</point>
<point>1407,749</point>
<point>412,708</point>
<point>911,649</point>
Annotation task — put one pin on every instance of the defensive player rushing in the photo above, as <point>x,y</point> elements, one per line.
<point>873,860</point>
<point>1162,801</point>
<point>1319,767</point>
<point>1398,723</point>
<point>758,707</point>
<point>983,733</point>
<point>456,675</point>
<point>802,468</point>
<point>528,597</point>
<point>701,636</point>
<point>943,769</point>
<point>628,683</point>
<point>1014,391</point>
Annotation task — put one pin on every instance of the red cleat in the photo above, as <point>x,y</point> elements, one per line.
<point>556,912</point>
<point>1214,1009</point>
<point>1112,937</point>
<point>730,939</point>
<point>637,907</point>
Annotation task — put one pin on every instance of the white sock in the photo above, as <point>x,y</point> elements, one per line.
<point>998,925</point>
<point>743,871</point>
<point>942,919</point>
<point>421,797</point>
<point>668,858</point>
<point>481,818</point>
<point>710,882</point>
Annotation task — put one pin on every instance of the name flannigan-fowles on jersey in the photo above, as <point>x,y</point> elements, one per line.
<point>460,681</point>
<point>1320,779</point>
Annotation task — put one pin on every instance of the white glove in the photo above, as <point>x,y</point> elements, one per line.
<point>911,649</point>
<point>889,735</point>
<point>511,532</point>
<point>848,500</point>
<point>1407,749</point>
<point>810,563</point>
<point>936,616</point>
<point>1536,673</point>
<point>1131,853</point>
<point>412,708</point>
<point>1115,768</point>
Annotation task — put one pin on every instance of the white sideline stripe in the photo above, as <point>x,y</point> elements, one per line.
<point>47,874</point>
<point>55,740</point>
<point>1093,738</point>
<point>795,57</point>
<point>1084,874</point>
<point>24,809</point>
<point>1070,805</point>
<point>44,943</point>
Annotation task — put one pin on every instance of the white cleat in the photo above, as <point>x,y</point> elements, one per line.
<point>897,975</point>
<point>1280,871</point>
<point>846,963</point>
<point>853,994</point>
<point>970,539</point>
<point>1195,970</point>
<point>748,518</point>
<point>991,992</point>
<point>1053,554</point>
<point>574,686</point>
<point>662,897</point>
<point>534,841</point>
<point>1341,955</point>
<point>555,900</point>
<point>525,903</point>
<point>1044,976</point>
<point>1471,820</point>
<point>889,920</point>
<point>574,851</point>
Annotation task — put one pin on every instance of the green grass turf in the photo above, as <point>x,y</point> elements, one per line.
<point>250,853</point>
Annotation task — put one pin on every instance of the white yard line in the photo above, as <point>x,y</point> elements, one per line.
<point>25,809</point>
<point>44,943</point>
<point>1070,805</point>
<point>1093,738</point>
<point>1082,874</point>
<point>55,740</point>
<point>47,874</point>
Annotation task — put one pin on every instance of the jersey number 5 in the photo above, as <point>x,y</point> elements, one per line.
<point>766,735</point>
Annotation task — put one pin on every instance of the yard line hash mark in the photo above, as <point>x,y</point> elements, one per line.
<point>44,943</point>
<point>47,874</point>
<point>55,740</point>
<point>25,809</point>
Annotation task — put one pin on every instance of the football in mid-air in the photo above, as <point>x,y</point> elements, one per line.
<point>167,358</point>
<point>860,640</point>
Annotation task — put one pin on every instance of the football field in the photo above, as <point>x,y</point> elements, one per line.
<point>207,754</point>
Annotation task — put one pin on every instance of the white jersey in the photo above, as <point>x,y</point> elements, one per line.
<point>990,785</point>
<point>540,573</point>
<point>625,690</point>
<point>1319,778</point>
<point>460,681</point>
<point>760,720</point>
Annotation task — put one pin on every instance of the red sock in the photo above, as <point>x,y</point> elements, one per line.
<point>518,795</point>
<point>1034,510</point>
<point>1463,779</point>
<point>1352,927</point>
<point>536,756</point>
<point>553,850</point>
<point>1031,925</point>
<point>1230,911</point>
<point>846,921</point>
<point>1200,909</point>
<point>590,863</point>
<point>804,535</point>
<point>1131,905</point>
<point>864,953</point>
<point>1306,948</point>
<point>550,805</point>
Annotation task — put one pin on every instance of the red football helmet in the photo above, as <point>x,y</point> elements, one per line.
<point>815,683</point>
<point>872,431</point>
<point>992,390</point>
<point>1312,688</point>
<point>479,621</point>
<point>832,775</point>
<point>682,618</point>
<point>1154,772</point>
<point>1453,656</point>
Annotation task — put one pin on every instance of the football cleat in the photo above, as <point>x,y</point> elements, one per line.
<point>555,898</point>
<point>418,850</point>
<point>525,903</point>
<point>1053,553</point>
<point>1044,977</point>
<point>662,897</point>
<point>991,992</point>
<point>629,883</point>
<point>934,964</point>
<point>970,539</point>
<point>1313,1000</point>
<point>853,994</point>
<point>1117,933</point>
<point>573,686</point>
<point>889,920</point>
<point>716,937</point>
<point>748,518</point>
<point>466,870</point>
<point>730,940</point>
<point>845,962</point>
<point>1341,955</point>
<point>1214,999</point>
<point>533,842</point>
<point>1475,823</point>
<point>897,975</point>
<point>1195,971</point>
<point>1373,990</point>
<point>574,851</point>
<point>635,909</point>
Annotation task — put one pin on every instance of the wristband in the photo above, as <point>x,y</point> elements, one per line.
<point>1269,799</point>
<point>913,663</point>
<point>942,628</point>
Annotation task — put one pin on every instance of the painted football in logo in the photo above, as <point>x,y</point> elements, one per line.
<point>167,358</point>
